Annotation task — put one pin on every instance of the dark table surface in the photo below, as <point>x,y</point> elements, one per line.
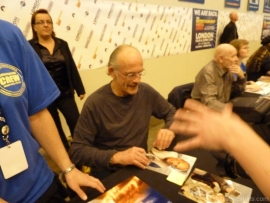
<point>157,181</point>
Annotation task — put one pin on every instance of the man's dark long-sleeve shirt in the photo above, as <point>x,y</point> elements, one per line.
<point>109,123</point>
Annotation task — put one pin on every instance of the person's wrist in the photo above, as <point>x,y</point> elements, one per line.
<point>113,159</point>
<point>242,75</point>
<point>69,169</point>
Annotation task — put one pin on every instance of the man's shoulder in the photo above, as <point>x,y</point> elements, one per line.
<point>208,69</point>
<point>102,91</point>
<point>8,26</point>
<point>146,87</point>
<point>231,24</point>
<point>9,30</point>
<point>210,66</point>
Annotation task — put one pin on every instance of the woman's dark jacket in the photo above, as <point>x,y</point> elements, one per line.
<point>74,78</point>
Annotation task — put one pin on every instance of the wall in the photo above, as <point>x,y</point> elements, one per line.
<point>164,73</point>
<point>167,72</point>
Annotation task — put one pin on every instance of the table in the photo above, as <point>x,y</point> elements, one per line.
<point>157,181</point>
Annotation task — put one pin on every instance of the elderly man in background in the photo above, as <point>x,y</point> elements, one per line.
<point>230,30</point>
<point>216,83</point>
<point>112,130</point>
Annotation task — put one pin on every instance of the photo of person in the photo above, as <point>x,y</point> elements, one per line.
<point>166,161</point>
<point>203,186</point>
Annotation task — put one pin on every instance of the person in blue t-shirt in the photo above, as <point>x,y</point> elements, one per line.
<point>26,89</point>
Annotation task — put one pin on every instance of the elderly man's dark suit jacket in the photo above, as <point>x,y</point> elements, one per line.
<point>229,33</point>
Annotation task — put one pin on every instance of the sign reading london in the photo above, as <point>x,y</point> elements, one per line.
<point>204,27</point>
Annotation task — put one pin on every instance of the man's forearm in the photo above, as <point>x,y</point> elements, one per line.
<point>85,155</point>
<point>45,132</point>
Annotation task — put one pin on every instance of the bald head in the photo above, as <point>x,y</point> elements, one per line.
<point>225,55</point>
<point>223,50</point>
<point>233,16</point>
<point>120,53</point>
<point>125,67</point>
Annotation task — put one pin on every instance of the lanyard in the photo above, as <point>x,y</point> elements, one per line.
<point>4,127</point>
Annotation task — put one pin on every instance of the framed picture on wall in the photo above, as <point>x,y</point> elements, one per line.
<point>232,3</point>
<point>266,6</point>
<point>266,27</point>
<point>253,5</point>
<point>194,1</point>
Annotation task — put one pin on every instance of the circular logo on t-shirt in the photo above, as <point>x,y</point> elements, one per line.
<point>11,80</point>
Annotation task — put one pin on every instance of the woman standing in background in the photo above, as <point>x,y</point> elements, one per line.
<point>56,56</point>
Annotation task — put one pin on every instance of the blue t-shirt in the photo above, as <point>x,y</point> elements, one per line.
<point>243,67</point>
<point>25,89</point>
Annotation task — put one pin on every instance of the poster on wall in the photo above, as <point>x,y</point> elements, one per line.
<point>266,6</point>
<point>253,5</point>
<point>266,26</point>
<point>232,3</point>
<point>204,27</point>
<point>94,29</point>
<point>194,1</point>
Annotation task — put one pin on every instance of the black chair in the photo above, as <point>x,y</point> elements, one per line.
<point>179,94</point>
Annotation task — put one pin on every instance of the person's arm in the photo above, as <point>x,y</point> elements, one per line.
<point>72,70</point>
<point>45,132</point>
<point>238,86</point>
<point>225,130</point>
<point>85,150</point>
<point>209,92</point>
<point>162,109</point>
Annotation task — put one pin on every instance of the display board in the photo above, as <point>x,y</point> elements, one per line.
<point>95,28</point>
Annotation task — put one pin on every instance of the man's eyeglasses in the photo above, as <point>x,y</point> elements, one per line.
<point>132,76</point>
<point>41,22</point>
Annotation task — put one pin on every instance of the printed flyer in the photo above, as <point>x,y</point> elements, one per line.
<point>204,27</point>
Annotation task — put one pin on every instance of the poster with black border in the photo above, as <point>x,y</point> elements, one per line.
<point>204,27</point>
<point>266,6</point>
<point>194,1</point>
<point>232,3</point>
<point>266,26</point>
<point>253,5</point>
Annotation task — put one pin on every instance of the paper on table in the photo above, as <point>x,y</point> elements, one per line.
<point>176,177</point>
<point>160,164</point>
<point>265,88</point>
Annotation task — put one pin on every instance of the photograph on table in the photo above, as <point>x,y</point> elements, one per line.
<point>131,190</point>
<point>175,165</point>
<point>202,186</point>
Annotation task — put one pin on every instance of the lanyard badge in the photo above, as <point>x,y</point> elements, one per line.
<point>5,131</point>
<point>4,127</point>
<point>12,156</point>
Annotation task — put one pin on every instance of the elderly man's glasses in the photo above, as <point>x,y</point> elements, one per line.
<point>42,22</point>
<point>132,76</point>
